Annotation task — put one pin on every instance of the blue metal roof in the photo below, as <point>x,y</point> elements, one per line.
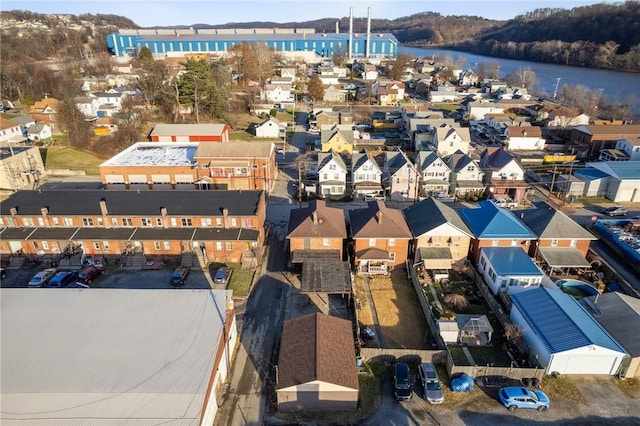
<point>490,221</point>
<point>625,169</point>
<point>590,174</point>
<point>560,321</point>
<point>511,261</point>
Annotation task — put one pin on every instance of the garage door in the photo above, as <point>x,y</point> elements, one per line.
<point>137,178</point>
<point>114,178</point>
<point>583,364</point>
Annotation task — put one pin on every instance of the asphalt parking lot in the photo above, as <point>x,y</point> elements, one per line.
<point>115,278</point>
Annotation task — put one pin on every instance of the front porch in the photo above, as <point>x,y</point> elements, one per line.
<point>373,261</point>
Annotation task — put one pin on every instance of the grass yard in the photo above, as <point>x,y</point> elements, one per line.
<point>240,281</point>
<point>562,388</point>
<point>60,157</point>
<point>630,387</point>
<point>399,314</point>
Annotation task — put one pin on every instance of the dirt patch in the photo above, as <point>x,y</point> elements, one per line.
<point>399,314</point>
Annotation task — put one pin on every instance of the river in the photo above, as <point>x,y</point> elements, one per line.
<point>613,84</point>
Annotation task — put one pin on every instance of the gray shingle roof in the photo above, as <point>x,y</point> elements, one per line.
<point>429,214</point>
<point>547,222</point>
<point>131,203</point>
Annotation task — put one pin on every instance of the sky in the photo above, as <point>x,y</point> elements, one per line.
<point>215,12</point>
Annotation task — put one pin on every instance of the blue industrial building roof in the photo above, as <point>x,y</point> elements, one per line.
<point>510,261</point>
<point>590,174</point>
<point>561,322</point>
<point>490,221</point>
<point>625,169</point>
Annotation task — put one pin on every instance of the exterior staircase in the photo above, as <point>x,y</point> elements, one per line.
<point>16,262</point>
<point>133,262</point>
<point>194,260</point>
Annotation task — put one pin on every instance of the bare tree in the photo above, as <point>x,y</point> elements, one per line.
<point>456,301</point>
<point>513,332</point>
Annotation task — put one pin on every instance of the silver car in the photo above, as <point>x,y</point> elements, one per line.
<point>430,383</point>
<point>42,278</point>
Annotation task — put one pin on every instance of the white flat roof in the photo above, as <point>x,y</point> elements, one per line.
<point>155,154</point>
<point>107,356</point>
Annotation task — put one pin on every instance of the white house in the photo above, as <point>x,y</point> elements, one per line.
<point>434,173</point>
<point>370,72</point>
<point>332,174</point>
<point>276,93</point>
<point>525,138</point>
<point>508,269</point>
<point>562,336</point>
<point>270,128</point>
<point>478,110</point>
<point>171,365</point>
<point>449,139</point>
<point>624,179</point>
<point>107,98</point>
<point>87,105</point>
<point>39,132</point>
<point>328,79</point>
<point>365,175</point>
<point>10,131</point>
<point>624,150</point>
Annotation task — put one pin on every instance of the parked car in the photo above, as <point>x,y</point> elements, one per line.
<point>505,203</point>
<point>280,151</point>
<point>222,275</point>
<point>179,275</point>
<point>430,383</point>
<point>41,278</point>
<point>616,211</point>
<point>62,279</point>
<point>87,275</point>
<point>521,397</point>
<point>401,382</point>
<point>376,197</point>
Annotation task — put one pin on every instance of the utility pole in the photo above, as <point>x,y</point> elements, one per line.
<point>553,180</point>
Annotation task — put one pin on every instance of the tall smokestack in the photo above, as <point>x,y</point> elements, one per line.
<point>337,27</point>
<point>350,31</point>
<point>368,48</point>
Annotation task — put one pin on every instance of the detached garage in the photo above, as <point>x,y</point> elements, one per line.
<point>317,365</point>
<point>562,336</point>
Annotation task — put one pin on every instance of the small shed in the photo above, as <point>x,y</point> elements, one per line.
<point>475,330</point>
<point>448,331</point>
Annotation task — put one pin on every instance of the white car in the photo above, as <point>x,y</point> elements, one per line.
<point>376,197</point>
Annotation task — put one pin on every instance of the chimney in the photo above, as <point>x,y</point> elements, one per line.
<point>13,211</point>
<point>367,47</point>
<point>350,31</point>
<point>103,207</point>
<point>225,213</point>
<point>314,217</point>
<point>379,217</point>
<point>163,213</point>
<point>45,216</point>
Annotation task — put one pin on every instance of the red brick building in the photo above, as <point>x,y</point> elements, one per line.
<point>316,230</point>
<point>201,132</point>
<point>219,226</point>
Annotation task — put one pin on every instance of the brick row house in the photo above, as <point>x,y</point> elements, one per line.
<point>219,226</point>
<point>192,165</point>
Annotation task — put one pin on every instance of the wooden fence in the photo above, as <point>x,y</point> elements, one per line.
<point>412,356</point>
<point>480,371</point>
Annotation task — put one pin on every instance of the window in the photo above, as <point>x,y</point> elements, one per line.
<point>27,221</point>
<point>247,222</point>
<point>127,221</point>
<point>326,242</point>
<point>156,245</point>
<point>205,222</point>
<point>40,221</point>
<point>372,242</point>
<point>96,245</point>
<point>114,222</point>
<point>494,243</point>
<point>392,242</point>
<point>554,242</point>
<point>36,245</point>
<point>105,245</point>
<point>186,221</point>
<point>234,222</point>
<point>45,245</point>
<point>573,242</point>
<point>254,166</point>
<point>218,222</point>
<point>67,221</point>
<point>228,246</point>
<point>53,219</point>
<point>219,245</point>
<point>392,257</point>
<point>146,222</point>
<point>514,243</point>
<point>483,262</point>
<point>167,246</point>
<point>87,221</point>
<point>158,221</point>
<point>99,220</point>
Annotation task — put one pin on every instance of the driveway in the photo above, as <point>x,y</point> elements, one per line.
<point>149,279</point>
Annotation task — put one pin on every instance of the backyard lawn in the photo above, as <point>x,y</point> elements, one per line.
<point>399,314</point>
<point>62,157</point>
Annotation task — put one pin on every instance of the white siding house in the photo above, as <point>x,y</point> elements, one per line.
<point>508,269</point>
